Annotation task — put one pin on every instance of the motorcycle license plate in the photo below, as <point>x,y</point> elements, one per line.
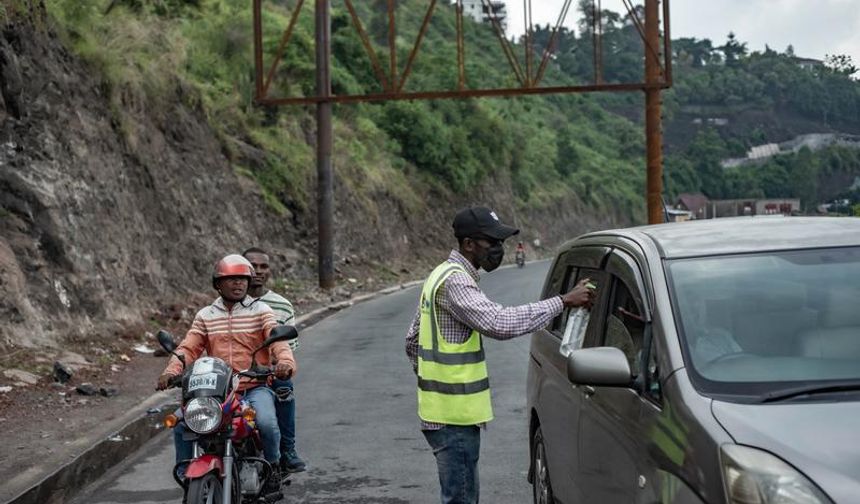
<point>204,381</point>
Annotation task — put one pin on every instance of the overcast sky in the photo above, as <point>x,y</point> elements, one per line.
<point>814,27</point>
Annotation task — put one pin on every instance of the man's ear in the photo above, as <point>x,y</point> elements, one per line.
<point>468,245</point>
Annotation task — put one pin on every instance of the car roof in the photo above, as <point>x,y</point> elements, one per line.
<point>737,235</point>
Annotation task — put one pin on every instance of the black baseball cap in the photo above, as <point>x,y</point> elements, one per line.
<point>481,221</point>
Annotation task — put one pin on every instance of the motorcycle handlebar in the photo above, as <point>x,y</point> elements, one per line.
<point>258,373</point>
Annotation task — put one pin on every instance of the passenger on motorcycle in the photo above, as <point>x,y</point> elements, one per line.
<point>230,329</point>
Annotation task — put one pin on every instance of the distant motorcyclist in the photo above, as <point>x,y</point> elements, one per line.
<point>521,254</point>
<point>230,329</point>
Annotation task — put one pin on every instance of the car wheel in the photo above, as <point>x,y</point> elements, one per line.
<point>541,486</point>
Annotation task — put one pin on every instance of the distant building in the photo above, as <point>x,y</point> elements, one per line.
<point>808,63</point>
<point>694,203</point>
<point>740,207</point>
<point>700,207</point>
<point>763,151</point>
<point>813,141</point>
<point>713,121</point>
<point>478,11</point>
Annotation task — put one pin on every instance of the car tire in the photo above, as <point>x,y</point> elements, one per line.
<point>541,486</point>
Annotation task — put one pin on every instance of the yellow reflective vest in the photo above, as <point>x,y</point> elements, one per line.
<point>453,385</point>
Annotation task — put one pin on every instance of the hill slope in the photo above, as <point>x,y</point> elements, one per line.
<point>132,158</point>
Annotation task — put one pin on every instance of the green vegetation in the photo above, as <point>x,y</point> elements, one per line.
<point>763,94</point>
<point>804,174</point>
<point>151,53</point>
<point>728,81</point>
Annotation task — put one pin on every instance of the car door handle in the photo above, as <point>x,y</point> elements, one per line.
<point>588,390</point>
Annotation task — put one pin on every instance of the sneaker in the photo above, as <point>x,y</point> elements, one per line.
<point>291,462</point>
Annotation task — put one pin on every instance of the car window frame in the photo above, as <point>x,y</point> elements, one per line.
<point>622,266</point>
<point>570,264</point>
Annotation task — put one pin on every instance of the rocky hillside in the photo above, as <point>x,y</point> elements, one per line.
<point>113,206</point>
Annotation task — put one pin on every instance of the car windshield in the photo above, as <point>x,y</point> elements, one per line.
<point>758,323</point>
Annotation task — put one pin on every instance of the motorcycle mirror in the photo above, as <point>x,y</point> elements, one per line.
<point>279,333</point>
<point>166,341</point>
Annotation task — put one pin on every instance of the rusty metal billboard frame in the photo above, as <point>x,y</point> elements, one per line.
<point>657,76</point>
<point>529,75</point>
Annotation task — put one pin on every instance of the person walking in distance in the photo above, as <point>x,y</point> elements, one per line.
<point>445,344</point>
<point>284,389</point>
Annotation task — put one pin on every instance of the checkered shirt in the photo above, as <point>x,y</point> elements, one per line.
<point>461,306</point>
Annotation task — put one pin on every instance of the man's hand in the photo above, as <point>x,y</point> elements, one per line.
<point>581,295</point>
<point>164,381</point>
<point>283,370</point>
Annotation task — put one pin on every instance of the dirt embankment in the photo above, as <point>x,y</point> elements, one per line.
<point>108,216</point>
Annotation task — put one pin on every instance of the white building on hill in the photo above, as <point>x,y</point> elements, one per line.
<point>477,10</point>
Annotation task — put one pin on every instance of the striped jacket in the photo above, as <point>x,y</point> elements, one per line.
<point>284,312</point>
<point>232,335</point>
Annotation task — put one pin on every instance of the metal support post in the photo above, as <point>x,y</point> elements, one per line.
<point>653,120</point>
<point>325,177</point>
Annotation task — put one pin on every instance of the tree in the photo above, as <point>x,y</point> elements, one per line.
<point>699,52</point>
<point>734,50</point>
<point>841,64</point>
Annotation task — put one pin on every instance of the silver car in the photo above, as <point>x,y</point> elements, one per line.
<point>719,364</point>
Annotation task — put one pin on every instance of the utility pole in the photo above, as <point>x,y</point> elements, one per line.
<point>325,177</point>
<point>653,119</point>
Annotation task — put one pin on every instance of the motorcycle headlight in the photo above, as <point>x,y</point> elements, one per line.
<point>203,414</point>
<point>754,476</point>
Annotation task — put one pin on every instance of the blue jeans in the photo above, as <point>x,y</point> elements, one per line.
<point>285,406</point>
<point>262,399</point>
<point>457,449</point>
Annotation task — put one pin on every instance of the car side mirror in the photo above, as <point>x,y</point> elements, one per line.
<point>601,366</point>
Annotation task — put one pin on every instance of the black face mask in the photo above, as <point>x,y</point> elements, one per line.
<point>492,257</point>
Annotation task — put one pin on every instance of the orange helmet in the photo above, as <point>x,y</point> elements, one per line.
<point>232,265</point>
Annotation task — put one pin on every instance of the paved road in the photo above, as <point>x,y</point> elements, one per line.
<point>357,423</point>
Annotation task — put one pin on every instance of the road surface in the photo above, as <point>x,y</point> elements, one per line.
<point>357,424</point>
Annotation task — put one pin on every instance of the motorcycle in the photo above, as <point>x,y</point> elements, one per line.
<point>521,259</point>
<point>228,466</point>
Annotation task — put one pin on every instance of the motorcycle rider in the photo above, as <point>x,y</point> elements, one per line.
<point>284,389</point>
<point>521,252</point>
<point>230,329</point>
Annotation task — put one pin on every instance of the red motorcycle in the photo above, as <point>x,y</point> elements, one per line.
<point>228,466</point>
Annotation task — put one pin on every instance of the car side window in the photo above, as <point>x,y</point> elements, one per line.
<point>625,324</point>
<point>568,273</point>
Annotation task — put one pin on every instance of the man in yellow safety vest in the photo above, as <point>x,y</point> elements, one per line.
<point>445,346</point>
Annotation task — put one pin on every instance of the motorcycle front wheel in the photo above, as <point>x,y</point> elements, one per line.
<point>205,490</point>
